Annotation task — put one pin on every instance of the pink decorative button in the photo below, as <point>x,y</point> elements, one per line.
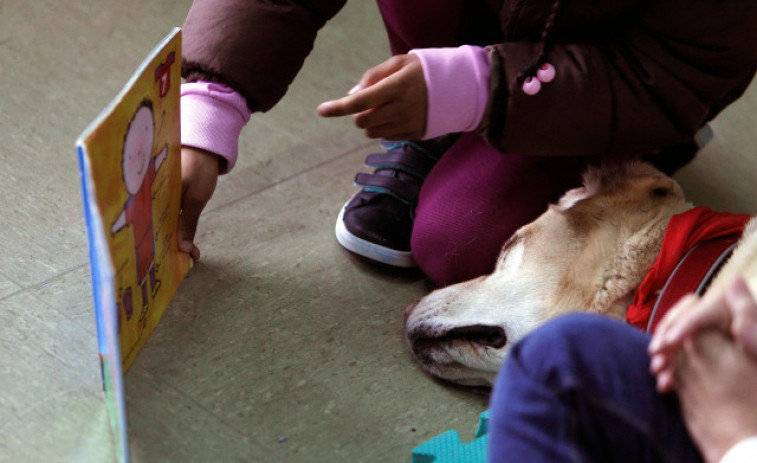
<point>531,86</point>
<point>546,73</point>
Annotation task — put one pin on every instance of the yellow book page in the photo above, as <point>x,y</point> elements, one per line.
<point>134,156</point>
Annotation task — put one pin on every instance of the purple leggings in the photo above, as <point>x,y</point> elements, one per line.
<point>476,196</point>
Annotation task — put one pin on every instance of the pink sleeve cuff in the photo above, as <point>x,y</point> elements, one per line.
<point>457,80</point>
<point>212,117</point>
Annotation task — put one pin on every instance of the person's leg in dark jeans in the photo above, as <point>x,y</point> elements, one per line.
<point>578,389</point>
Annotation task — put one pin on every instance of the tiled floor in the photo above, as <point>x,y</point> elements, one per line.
<point>279,346</point>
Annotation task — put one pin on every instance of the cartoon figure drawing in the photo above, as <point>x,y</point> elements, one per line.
<point>139,169</point>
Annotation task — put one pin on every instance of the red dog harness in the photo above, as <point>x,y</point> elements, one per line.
<point>695,245</point>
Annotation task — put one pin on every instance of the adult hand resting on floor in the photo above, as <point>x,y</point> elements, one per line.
<point>731,311</point>
<point>199,175</point>
<point>715,380</point>
<point>389,102</point>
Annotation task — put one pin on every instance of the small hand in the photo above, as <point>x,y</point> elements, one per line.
<point>715,381</point>
<point>390,101</point>
<point>199,175</point>
<point>731,311</point>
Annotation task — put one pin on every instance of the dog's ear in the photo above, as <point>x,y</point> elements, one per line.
<point>597,179</point>
<point>607,176</point>
<point>572,197</point>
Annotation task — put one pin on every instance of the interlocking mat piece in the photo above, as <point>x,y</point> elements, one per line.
<point>447,448</point>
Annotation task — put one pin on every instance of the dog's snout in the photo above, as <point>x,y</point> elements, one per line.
<point>467,355</point>
<point>485,335</point>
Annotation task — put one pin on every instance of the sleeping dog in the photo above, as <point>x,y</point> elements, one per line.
<point>615,246</point>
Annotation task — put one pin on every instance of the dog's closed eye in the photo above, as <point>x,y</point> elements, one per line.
<point>660,192</point>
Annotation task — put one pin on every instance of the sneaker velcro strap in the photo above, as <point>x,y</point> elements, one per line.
<point>406,192</point>
<point>416,165</point>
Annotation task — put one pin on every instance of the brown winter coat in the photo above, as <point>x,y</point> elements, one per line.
<point>632,75</point>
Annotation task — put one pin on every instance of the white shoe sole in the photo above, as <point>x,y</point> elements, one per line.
<point>372,251</point>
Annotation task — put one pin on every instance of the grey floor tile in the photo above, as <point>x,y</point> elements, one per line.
<point>67,426</point>
<point>7,287</point>
<point>280,334</point>
<point>62,62</point>
<point>167,426</point>
<point>70,293</point>
<point>52,405</point>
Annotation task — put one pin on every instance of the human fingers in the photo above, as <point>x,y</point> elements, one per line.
<point>674,329</point>
<point>381,71</point>
<point>659,362</point>
<point>188,220</point>
<point>714,384</point>
<point>677,363</point>
<point>688,360</point>
<point>392,132</point>
<point>658,343</point>
<point>744,310</point>
<point>393,120</point>
<point>199,171</point>
<point>380,85</point>
<point>691,316</point>
<point>664,381</point>
<point>357,102</point>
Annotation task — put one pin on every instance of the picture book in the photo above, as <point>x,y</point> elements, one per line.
<point>129,164</point>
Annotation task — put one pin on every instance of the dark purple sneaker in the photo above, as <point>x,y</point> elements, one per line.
<point>377,221</point>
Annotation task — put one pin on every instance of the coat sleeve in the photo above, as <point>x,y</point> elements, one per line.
<point>650,82</point>
<point>255,46</point>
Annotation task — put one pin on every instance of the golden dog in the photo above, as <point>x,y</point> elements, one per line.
<point>589,253</point>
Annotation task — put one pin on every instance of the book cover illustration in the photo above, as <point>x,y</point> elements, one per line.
<point>129,162</point>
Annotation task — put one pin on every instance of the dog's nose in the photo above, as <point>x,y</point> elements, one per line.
<point>485,335</point>
<point>422,339</point>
